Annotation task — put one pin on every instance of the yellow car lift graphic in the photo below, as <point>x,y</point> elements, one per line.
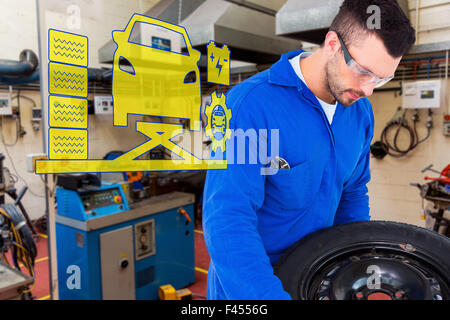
<point>147,81</point>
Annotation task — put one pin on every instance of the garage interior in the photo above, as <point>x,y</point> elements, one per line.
<point>168,204</point>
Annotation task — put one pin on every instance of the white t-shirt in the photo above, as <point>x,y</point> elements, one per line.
<point>329,109</point>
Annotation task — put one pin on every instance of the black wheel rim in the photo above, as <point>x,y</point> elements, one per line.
<point>375,271</point>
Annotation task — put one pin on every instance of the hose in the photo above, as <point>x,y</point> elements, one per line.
<point>391,147</point>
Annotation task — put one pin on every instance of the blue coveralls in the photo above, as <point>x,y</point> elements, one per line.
<point>250,219</point>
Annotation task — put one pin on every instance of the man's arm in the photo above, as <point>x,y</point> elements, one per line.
<point>231,200</point>
<point>354,203</point>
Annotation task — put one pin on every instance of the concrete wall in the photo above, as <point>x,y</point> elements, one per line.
<point>433,24</point>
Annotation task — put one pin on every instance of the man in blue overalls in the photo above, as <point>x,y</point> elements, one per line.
<point>318,103</point>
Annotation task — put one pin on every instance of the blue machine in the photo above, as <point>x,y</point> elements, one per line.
<point>107,250</point>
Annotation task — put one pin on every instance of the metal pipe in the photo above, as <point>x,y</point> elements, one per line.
<point>418,63</point>
<point>424,77</point>
<point>417,21</point>
<point>21,80</point>
<point>446,81</point>
<point>27,63</point>
<point>11,68</point>
<point>422,58</point>
<point>434,73</point>
<point>44,148</point>
<point>180,6</point>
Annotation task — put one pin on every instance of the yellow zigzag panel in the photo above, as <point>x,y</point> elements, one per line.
<point>68,80</point>
<point>68,48</point>
<point>68,144</point>
<point>68,112</point>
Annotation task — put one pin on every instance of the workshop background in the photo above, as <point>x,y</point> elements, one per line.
<point>391,195</point>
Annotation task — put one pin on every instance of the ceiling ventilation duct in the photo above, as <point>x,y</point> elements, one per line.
<point>249,34</point>
<point>309,20</point>
<point>167,10</point>
<point>306,20</point>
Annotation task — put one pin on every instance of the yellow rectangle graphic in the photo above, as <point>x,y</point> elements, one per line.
<point>68,48</point>
<point>68,80</point>
<point>68,144</point>
<point>68,112</point>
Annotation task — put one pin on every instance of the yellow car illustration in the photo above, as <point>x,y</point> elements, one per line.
<point>219,121</point>
<point>152,80</point>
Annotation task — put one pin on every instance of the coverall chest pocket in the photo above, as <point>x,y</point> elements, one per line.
<point>293,187</point>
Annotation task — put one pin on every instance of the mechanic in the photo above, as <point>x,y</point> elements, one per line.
<point>318,102</point>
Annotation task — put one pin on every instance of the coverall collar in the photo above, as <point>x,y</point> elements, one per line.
<point>282,73</point>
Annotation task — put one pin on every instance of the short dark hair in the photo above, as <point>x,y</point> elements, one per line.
<point>395,29</point>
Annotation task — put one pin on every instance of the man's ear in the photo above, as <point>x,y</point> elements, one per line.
<point>331,43</point>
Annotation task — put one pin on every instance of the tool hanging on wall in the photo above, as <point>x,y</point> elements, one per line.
<point>386,146</point>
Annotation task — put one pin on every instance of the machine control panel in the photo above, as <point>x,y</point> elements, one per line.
<point>83,205</point>
<point>101,198</point>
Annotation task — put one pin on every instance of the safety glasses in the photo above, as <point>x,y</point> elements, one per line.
<point>362,75</point>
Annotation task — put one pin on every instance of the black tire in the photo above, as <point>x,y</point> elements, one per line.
<point>330,264</point>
